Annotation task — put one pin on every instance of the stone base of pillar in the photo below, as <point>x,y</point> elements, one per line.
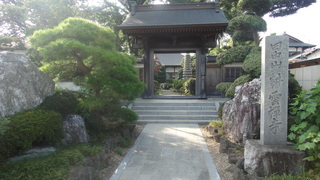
<point>265,160</point>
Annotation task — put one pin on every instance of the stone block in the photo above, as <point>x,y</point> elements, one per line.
<point>265,160</point>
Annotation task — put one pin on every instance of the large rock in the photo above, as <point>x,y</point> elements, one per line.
<point>74,130</point>
<point>241,115</point>
<point>265,160</point>
<point>22,85</point>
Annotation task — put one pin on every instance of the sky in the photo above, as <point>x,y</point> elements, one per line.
<point>303,25</point>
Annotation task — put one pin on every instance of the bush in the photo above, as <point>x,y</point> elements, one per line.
<point>239,81</point>
<point>223,86</point>
<point>165,86</point>
<point>252,63</point>
<point>62,101</point>
<point>218,124</point>
<point>305,130</point>
<point>220,111</point>
<point>177,84</point>
<point>37,127</point>
<point>156,86</point>
<point>190,86</point>
<point>294,88</point>
<point>3,125</point>
<point>235,54</point>
<point>51,167</point>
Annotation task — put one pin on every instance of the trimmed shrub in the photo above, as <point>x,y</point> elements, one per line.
<point>223,86</point>
<point>36,127</point>
<point>252,63</point>
<point>165,86</point>
<point>190,86</point>
<point>178,84</point>
<point>62,101</point>
<point>126,115</point>
<point>239,81</point>
<point>235,54</point>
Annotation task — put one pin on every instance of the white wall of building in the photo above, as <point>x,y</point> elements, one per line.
<point>307,76</point>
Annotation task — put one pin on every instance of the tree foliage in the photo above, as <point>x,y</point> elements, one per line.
<point>283,8</point>
<point>80,49</point>
<point>245,15</point>
<point>252,63</point>
<point>23,17</point>
<point>70,49</point>
<point>235,54</point>
<point>245,27</point>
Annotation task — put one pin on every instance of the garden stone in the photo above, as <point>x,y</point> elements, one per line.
<point>233,158</point>
<point>241,115</point>
<point>81,172</point>
<point>224,145</point>
<point>35,152</point>
<point>74,130</point>
<point>23,86</point>
<point>265,160</point>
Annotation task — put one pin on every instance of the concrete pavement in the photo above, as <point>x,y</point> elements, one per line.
<point>168,152</point>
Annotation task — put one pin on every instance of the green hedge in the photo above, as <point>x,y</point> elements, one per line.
<point>177,85</point>
<point>252,63</point>
<point>223,86</point>
<point>190,86</point>
<point>62,101</point>
<point>235,54</point>
<point>239,81</point>
<point>35,127</point>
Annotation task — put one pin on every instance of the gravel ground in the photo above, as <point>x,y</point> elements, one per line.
<point>219,159</point>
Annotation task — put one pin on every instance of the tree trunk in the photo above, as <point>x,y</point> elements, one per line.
<point>256,38</point>
<point>86,70</point>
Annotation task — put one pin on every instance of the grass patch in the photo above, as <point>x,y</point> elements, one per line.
<point>54,166</point>
<point>217,124</point>
<point>126,142</point>
<point>310,175</point>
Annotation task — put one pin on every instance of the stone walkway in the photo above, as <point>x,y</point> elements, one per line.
<point>164,92</point>
<point>168,152</point>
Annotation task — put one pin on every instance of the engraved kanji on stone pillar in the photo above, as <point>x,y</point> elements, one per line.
<point>274,90</point>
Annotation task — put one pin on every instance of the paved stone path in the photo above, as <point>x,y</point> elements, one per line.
<point>168,152</point>
<point>164,92</point>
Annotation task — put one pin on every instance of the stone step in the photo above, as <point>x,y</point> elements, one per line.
<point>158,104</point>
<point>177,117</point>
<point>176,112</point>
<point>169,107</point>
<point>177,121</point>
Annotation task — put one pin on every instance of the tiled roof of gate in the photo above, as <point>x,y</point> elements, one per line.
<point>175,15</point>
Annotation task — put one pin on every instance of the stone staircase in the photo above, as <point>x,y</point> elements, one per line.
<point>175,110</point>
